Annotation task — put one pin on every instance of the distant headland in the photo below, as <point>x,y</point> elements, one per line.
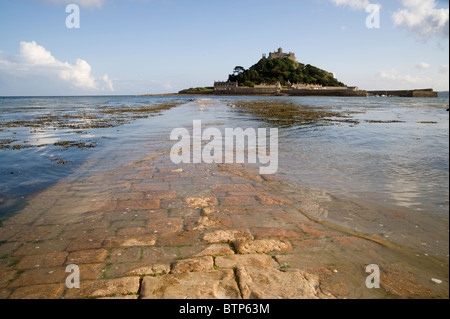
<point>280,74</point>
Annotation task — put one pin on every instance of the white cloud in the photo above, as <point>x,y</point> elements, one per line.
<point>401,79</point>
<point>422,18</point>
<point>354,4</point>
<point>423,66</point>
<point>35,60</point>
<point>394,80</point>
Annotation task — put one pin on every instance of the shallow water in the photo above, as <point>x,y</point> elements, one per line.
<point>389,160</point>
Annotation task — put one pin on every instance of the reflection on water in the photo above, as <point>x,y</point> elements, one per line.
<point>31,129</point>
<point>398,152</point>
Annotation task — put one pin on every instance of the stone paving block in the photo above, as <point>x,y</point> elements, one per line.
<point>166,176</point>
<point>147,215</point>
<point>139,268</point>
<point>206,222</point>
<point>232,210</point>
<point>85,244</point>
<point>216,250</point>
<point>147,270</point>
<point>5,293</point>
<point>37,233</point>
<point>271,283</point>
<point>165,225</point>
<point>199,285</point>
<point>130,223</point>
<point>261,246</point>
<point>290,217</point>
<point>193,265</point>
<point>132,231</point>
<point>208,211</point>
<point>160,255</point>
<point>42,261</point>
<point>151,186</point>
<point>8,248</point>
<point>6,275</point>
<point>160,194</point>
<point>185,212</point>
<point>106,206</point>
<point>179,239</point>
<point>312,232</point>
<point>245,260</point>
<point>240,188</point>
<point>104,288</point>
<point>238,200</point>
<point>87,256</point>
<point>171,203</point>
<point>122,215</point>
<point>21,218</point>
<point>144,240</point>
<point>273,232</point>
<point>91,271</point>
<point>273,200</point>
<point>40,276</point>
<point>224,236</point>
<point>139,204</point>
<point>125,196</point>
<point>306,244</point>
<point>202,202</point>
<point>102,232</point>
<point>119,255</point>
<point>39,248</point>
<point>39,292</point>
<point>126,297</point>
<point>251,220</point>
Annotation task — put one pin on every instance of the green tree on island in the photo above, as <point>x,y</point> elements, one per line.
<point>271,71</point>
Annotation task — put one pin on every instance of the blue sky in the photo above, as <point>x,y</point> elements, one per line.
<point>162,46</point>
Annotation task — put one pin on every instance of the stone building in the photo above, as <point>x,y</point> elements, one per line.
<point>225,87</point>
<point>282,56</point>
<point>234,88</point>
<point>302,86</point>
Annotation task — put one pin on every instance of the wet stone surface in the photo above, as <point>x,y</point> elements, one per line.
<point>151,229</point>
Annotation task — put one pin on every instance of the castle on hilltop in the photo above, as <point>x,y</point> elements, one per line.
<point>296,89</point>
<point>315,82</point>
<point>282,56</point>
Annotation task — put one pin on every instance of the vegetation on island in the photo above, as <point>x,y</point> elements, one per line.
<point>199,90</point>
<point>272,71</point>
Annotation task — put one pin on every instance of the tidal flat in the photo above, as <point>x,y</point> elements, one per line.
<point>361,181</point>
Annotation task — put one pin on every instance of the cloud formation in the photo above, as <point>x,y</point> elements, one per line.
<point>423,66</point>
<point>396,80</point>
<point>423,19</point>
<point>34,59</point>
<point>406,78</point>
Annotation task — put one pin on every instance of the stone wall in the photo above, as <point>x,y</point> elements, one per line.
<point>407,93</point>
<point>326,92</point>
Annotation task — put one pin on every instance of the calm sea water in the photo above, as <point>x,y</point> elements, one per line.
<point>393,151</point>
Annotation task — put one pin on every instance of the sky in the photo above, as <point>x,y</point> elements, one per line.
<point>162,46</point>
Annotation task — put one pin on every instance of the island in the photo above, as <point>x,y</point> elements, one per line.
<point>280,74</point>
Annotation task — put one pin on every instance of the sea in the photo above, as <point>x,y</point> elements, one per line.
<point>384,170</point>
